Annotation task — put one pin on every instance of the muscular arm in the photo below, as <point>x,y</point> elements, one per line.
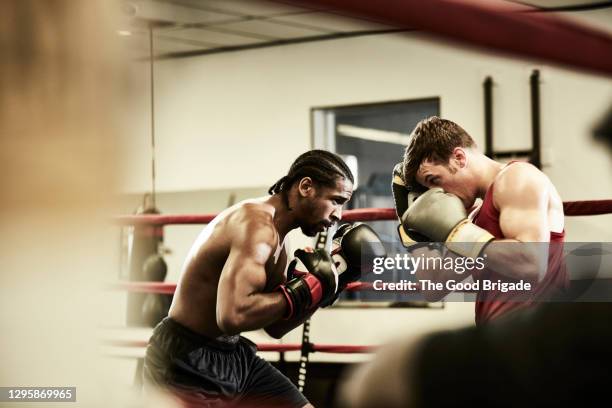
<point>521,195</point>
<point>241,303</point>
<point>281,327</point>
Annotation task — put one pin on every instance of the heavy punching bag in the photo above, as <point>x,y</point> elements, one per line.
<point>145,242</point>
<point>155,306</point>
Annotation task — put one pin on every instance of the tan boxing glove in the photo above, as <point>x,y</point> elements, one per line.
<point>441,217</point>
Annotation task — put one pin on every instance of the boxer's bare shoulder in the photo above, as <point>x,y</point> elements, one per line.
<point>517,180</point>
<point>529,203</point>
<point>251,226</point>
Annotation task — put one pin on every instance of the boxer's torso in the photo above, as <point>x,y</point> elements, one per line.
<point>195,300</point>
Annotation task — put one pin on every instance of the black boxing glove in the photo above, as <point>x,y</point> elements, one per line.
<point>315,288</point>
<point>354,248</point>
<point>403,196</point>
<point>399,189</point>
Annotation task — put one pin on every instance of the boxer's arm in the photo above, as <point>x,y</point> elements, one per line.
<point>242,304</point>
<point>283,326</point>
<point>521,195</point>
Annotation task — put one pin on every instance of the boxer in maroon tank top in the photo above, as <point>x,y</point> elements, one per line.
<point>519,228</point>
<point>555,353</point>
<point>493,303</point>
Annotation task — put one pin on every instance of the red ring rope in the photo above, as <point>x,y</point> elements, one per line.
<point>270,347</point>
<point>589,207</point>
<point>165,219</point>
<point>571,208</point>
<point>164,288</point>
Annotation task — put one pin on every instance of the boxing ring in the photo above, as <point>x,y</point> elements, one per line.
<point>505,27</point>
<point>571,208</point>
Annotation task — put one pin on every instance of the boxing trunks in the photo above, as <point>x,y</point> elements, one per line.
<point>220,372</point>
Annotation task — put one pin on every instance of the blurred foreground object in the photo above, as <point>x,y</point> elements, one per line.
<point>63,98</point>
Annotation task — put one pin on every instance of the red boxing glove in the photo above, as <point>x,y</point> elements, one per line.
<point>316,288</point>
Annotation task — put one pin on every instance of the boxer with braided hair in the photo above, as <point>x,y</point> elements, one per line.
<point>321,166</point>
<point>234,280</point>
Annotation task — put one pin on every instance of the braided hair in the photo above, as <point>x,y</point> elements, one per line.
<point>321,166</point>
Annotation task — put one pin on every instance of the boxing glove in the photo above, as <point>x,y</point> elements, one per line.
<point>441,217</point>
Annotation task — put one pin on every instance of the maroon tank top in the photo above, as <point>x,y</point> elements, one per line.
<point>491,304</point>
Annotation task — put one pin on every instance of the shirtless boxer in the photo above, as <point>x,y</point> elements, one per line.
<point>234,280</point>
<point>520,208</point>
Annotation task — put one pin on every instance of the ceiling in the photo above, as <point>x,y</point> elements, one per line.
<point>183,28</point>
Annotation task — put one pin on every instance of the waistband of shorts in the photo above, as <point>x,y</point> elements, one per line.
<point>222,342</point>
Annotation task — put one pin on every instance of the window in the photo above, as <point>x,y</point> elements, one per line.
<point>374,136</point>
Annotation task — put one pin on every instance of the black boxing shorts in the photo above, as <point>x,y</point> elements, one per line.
<point>214,372</point>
